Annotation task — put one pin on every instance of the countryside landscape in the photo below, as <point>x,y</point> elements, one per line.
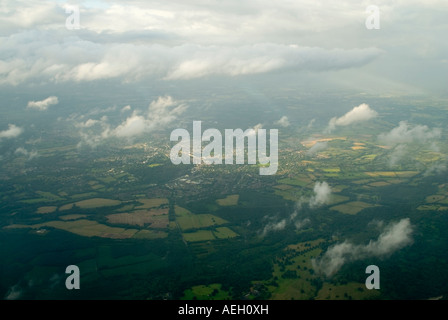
<point>134,138</point>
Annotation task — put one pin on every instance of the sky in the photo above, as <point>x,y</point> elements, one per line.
<point>138,41</point>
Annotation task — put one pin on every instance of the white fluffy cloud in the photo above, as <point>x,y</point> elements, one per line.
<point>131,40</point>
<point>405,133</point>
<point>284,122</point>
<point>357,114</point>
<point>322,194</point>
<point>29,154</point>
<point>43,105</point>
<point>317,147</point>
<point>12,132</point>
<point>161,112</point>
<point>394,237</point>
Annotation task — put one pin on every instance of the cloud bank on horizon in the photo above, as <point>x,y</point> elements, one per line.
<point>137,40</point>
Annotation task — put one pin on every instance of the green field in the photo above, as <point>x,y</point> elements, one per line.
<point>197,221</point>
<point>152,203</point>
<point>206,292</point>
<point>85,228</point>
<point>200,235</point>
<point>231,200</point>
<point>224,233</point>
<point>352,207</point>
<point>349,291</point>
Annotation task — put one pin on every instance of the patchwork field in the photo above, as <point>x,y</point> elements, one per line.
<point>188,220</point>
<point>392,174</point>
<point>224,233</point>
<point>49,209</point>
<point>152,203</point>
<point>83,227</point>
<point>352,207</point>
<point>97,203</point>
<point>231,200</point>
<point>157,218</point>
<point>72,216</point>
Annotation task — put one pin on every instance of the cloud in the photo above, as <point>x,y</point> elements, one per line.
<point>397,154</point>
<point>14,293</point>
<point>43,104</point>
<point>284,122</point>
<point>293,219</point>
<point>357,114</point>
<point>302,223</point>
<point>394,237</point>
<point>310,124</point>
<point>274,226</point>
<point>126,108</point>
<point>317,147</point>
<point>36,47</point>
<point>29,154</point>
<point>406,133</point>
<point>435,169</point>
<point>46,56</point>
<point>12,132</point>
<point>322,194</point>
<point>160,113</point>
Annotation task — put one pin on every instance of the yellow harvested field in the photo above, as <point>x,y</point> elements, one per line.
<point>310,143</point>
<point>66,207</point>
<point>434,198</point>
<point>392,174</point>
<point>357,147</point>
<point>49,209</point>
<point>97,203</point>
<point>379,184</point>
<point>158,218</point>
<point>381,174</point>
